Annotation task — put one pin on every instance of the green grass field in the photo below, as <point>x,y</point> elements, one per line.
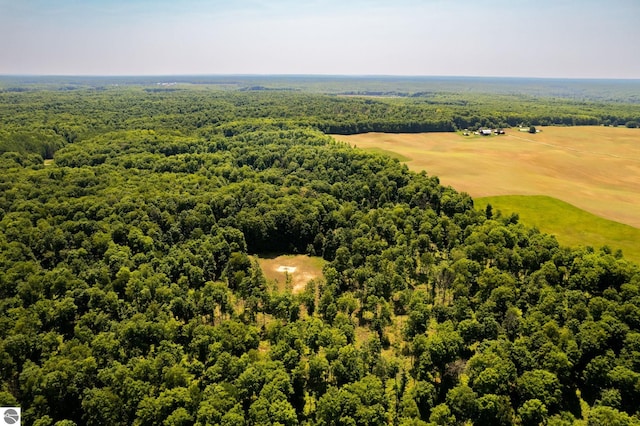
<point>571,225</point>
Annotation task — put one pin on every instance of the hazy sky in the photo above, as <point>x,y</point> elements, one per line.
<point>529,38</point>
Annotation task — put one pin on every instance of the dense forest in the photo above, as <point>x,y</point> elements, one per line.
<point>131,220</point>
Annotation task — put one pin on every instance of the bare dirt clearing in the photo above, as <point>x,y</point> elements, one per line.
<point>298,269</point>
<point>594,168</point>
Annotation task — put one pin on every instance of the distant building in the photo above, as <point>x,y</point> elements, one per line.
<point>485,132</point>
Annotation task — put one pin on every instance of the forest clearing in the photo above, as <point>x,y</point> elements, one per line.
<point>299,269</point>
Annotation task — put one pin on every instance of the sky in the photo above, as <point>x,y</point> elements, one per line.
<point>497,38</point>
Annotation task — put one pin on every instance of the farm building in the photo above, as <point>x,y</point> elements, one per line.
<point>485,132</point>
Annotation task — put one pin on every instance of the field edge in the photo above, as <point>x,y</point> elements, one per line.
<point>570,225</point>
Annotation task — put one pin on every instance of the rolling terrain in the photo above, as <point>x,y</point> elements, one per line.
<point>151,242</point>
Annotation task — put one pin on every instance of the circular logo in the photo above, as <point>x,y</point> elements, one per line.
<point>11,416</point>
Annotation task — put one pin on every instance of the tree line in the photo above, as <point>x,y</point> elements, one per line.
<point>42,121</point>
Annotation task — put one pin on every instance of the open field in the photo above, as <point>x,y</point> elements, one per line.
<point>571,225</point>
<point>596,169</point>
<point>300,269</point>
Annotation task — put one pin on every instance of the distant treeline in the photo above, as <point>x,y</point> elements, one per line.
<point>43,121</point>
<point>595,90</point>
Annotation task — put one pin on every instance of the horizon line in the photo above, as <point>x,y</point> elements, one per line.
<point>248,75</point>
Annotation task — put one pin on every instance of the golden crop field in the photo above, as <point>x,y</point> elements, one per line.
<point>594,168</point>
